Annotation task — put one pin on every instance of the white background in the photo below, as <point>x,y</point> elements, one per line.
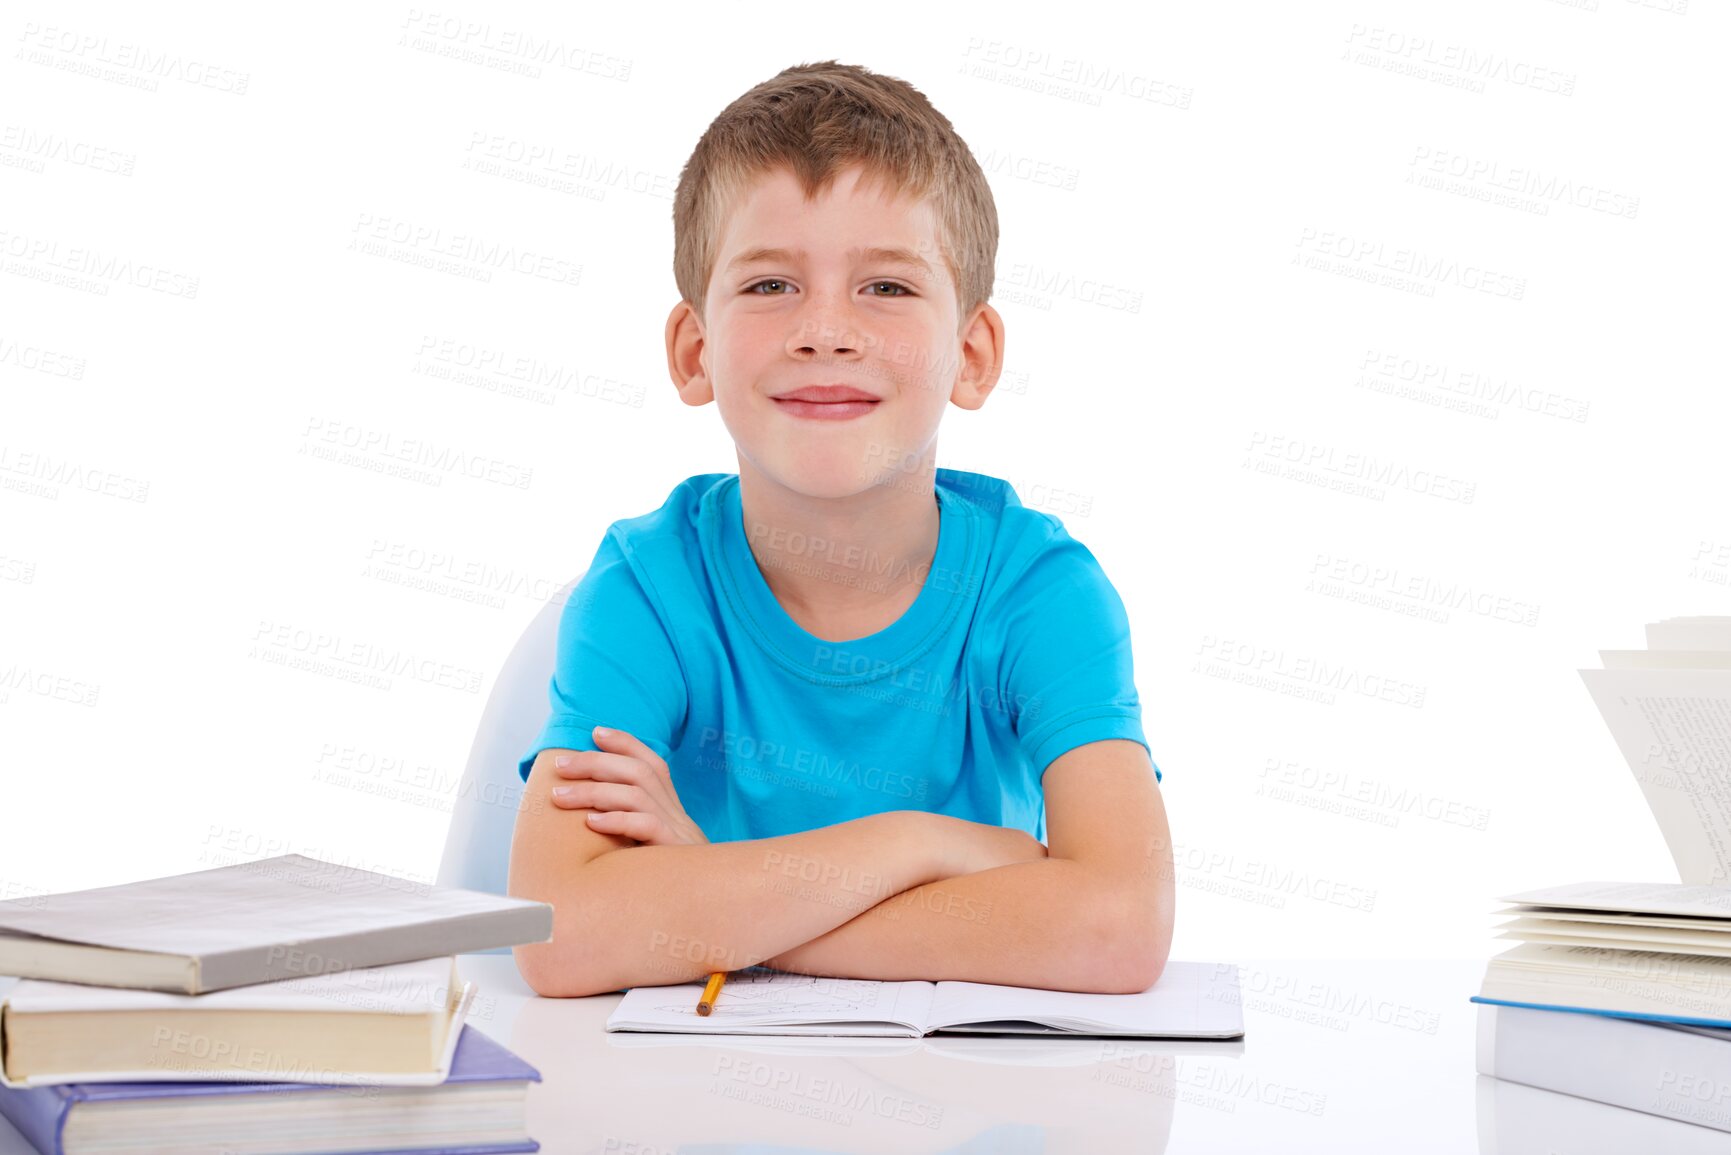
<point>1190,207</point>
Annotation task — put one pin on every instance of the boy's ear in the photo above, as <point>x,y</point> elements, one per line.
<point>685,355</point>
<point>982,358</point>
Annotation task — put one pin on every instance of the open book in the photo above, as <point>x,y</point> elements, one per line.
<point>1641,950</point>
<point>1192,1000</point>
<point>1650,950</point>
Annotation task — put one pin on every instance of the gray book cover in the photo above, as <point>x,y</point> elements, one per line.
<point>254,922</point>
<point>1632,1063</point>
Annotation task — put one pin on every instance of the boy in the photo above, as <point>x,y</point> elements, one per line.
<point>848,691</point>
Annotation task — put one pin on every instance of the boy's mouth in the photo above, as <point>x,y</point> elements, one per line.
<point>827,402</point>
<point>826,410</point>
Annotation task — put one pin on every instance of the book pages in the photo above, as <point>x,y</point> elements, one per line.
<point>1673,898</point>
<point>1673,727</point>
<point>412,988</point>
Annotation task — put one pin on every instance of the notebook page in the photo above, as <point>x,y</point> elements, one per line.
<point>1191,1000</point>
<point>758,998</point>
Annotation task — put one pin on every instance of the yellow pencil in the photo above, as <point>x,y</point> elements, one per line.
<point>711,991</point>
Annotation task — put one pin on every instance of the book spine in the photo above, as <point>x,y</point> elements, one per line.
<point>38,1113</point>
<point>460,934</point>
<point>1641,1066</point>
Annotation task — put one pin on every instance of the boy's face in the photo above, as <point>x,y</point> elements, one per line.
<point>828,311</point>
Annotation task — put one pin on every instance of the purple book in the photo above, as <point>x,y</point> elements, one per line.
<point>40,1113</point>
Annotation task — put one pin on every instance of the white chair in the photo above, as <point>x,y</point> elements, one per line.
<point>478,846</point>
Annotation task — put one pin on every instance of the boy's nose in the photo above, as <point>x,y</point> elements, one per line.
<point>824,337</point>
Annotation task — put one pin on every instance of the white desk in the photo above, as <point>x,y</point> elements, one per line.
<point>1338,1056</point>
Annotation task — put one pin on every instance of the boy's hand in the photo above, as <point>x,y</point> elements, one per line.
<point>629,788</point>
<point>977,846</point>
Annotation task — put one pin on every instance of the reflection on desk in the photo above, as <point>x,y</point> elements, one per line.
<point>1339,1056</point>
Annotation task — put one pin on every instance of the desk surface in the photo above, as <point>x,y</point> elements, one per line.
<point>1338,1056</point>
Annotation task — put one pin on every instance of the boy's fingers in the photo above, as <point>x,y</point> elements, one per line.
<point>625,823</point>
<point>598,765</point>
<point>620,740</point>
<point>598,796</point>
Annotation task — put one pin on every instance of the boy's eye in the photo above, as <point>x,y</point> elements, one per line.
<point>903,289</point>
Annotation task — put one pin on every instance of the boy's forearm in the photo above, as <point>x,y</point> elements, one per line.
<point>652,915</point>
<point>1049,923</point>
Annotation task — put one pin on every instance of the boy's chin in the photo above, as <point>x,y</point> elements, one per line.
<point>825,482</point>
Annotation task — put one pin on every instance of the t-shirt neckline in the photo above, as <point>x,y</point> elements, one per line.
<point>858,659</point>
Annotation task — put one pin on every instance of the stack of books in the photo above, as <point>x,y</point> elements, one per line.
<point>285,1005</point>
<point>1621,992</point>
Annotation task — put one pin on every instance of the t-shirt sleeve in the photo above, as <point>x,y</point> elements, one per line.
<point>615,665</point>
<point>1068,674</point>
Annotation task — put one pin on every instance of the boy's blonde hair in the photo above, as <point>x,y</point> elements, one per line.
<point>817,119</point>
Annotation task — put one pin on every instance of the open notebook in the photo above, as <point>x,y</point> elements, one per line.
<point>1192,1000</point>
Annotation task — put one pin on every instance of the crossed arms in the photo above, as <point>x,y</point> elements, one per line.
<point>900,895</point>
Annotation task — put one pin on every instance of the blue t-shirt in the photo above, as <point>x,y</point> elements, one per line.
<point>1016,649</point>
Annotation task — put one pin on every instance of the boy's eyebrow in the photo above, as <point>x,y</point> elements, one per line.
<point>886,253</point>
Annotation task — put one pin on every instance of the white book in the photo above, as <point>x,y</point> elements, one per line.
<point>392,1025</point>
<point>1654,1068</point>
<point>1191,1000</point>
<point>277,918</point>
